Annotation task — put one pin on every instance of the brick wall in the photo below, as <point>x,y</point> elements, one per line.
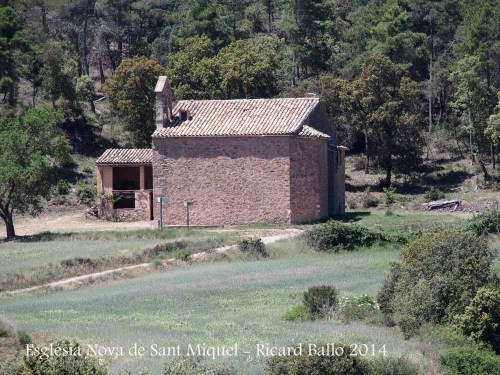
<point>308,179</point>
<point>230,180</point>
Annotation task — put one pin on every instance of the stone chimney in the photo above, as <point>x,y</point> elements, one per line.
<point>164,100</point>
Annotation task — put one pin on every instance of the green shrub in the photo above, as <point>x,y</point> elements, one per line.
<point>356,308</point>
<point>194,366</point>
<point>62,187</point>
<point>88,169</point>
<point>62,364</point>
<point>470,360</point>
<point>319,301</point>
<point>433,195</point>
<point>87,194</point>
<point>369,200</point>
<point>390,195</point>
<point>24,338</point>
<point>253,246</point>
<point>305,364</point>
<point>298,312</point>
<point>351,203</point>
<point>481,319</point>
<point>392,366</point>
<point>438,276</point>
<point>334,236</point>
<point>485,223</point>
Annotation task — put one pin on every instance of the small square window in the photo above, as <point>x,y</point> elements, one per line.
<point>184,115</point>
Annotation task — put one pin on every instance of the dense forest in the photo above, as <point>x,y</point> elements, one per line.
<point>392,74</point>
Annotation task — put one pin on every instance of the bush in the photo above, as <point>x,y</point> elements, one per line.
<point>253,246</point>
<point>369,200</point>
<point>438,276</point>
<point>62,364</point>
<point>485,223</point>
<point>356,308</point>
<point>335,236</point>
<point>319,301</point>
<point>305,364</point>
<point>390,195</point>
<point>298,312</point>
<point>88,169</point>
<point>481,320</point>
<point>351,203</point>
<point>459,354</point>
<point>62,187</point>
<point>24,338</point>
<point>194,366</point>
<point>392,366</point>
<point>86,193</point>
<point>433,195</point>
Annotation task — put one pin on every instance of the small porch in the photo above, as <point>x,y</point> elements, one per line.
<point>125,184</point>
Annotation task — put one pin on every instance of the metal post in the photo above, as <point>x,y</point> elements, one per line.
<point>187,216</point>
<point>160,201</point>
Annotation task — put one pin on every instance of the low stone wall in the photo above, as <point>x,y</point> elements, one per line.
<point>140,212</point>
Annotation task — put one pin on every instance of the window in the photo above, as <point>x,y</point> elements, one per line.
<point>127,200</point>
<point>126,178</point>
<point>148,177</point>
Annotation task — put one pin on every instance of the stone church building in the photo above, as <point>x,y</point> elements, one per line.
<point>228,162</point>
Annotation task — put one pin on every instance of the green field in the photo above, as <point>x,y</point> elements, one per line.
<point>213,303</point>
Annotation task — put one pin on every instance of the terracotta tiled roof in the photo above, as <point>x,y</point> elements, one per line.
<point>209,118</point>
<point>126,156</point>
<point>309,132</point>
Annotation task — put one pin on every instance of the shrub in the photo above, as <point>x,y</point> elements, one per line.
<point>438,276</point>
<point>88,169</point>
<point>24,338</point>
<point>433,195</point>
<point>298,312</point>
<point>390,195</point>
<point>351,203</point>
<point>334,236</point>
<point>485,223</point>
<point>481,319</point>
<point>62,187</point>
<point>319,301</point>
<point>253,246</point>
<point>62,364</point>
<point>194,366</point>
<point>356,308</point>
<point>369,200</point>
<point>86,193</point>
<point>392,366</point>
<point>305,364</point>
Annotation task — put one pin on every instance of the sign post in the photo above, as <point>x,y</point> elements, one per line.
<point>187,204</point>
<point>160,201</point>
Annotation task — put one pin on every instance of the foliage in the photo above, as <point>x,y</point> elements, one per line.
<point>62,187</point>
<point>433,194</point>
<point>62,364</point>
<point>253,246</point>
<point>298,312</point>
<point>194,366</point>
<point>87,193</point>
<point>305,364</point>
<point>356,308</point>
<point>368,199</point>
<point>438,276</point>
<point>389,194</point>
<point>481,319</point>
<point>392,366</point>
<point>319,301</point>
<point>334,236</point>
<point>32,145</point>
<point>460,354</point>
<point>131,93</point>
<point>485,223</point>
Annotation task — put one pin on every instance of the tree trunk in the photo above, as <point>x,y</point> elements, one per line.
<point>9,225</point>
<point>388,176</point>
<point>92,105</point>
<point>492,155</point>
<point>367,158</point>
<point>101,71</point>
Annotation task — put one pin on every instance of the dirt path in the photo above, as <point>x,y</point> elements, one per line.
<point>197,257</point>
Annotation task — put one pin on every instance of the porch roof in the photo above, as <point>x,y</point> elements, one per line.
<point>126,156</point>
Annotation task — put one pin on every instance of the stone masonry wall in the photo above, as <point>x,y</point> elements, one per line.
<point>230,180</point>
<point>309,179</point>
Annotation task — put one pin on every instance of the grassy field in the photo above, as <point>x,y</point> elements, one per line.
<point>213,303</point>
